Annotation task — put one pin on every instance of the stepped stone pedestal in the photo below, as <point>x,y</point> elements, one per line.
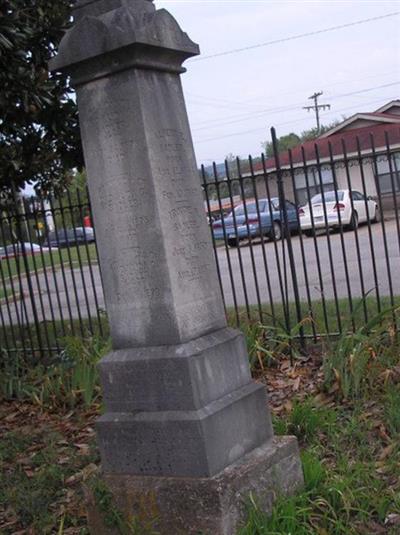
<point>187,434</point>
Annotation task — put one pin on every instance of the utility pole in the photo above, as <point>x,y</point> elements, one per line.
<point>316,107</point>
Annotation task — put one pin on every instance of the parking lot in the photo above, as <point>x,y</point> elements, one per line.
<point>257,272</point>
<point>321,281</point>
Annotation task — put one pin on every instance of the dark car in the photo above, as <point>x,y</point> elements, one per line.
<point>255,219</point>
<point>65,237</point>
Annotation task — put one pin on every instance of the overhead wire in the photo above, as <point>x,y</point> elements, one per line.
<point>294,37</point>
<point>217,100</point>
<point>215,123</point>
<point>263,129</point>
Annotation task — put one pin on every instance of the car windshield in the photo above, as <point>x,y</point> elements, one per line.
<point>329,196</point>
<point>251,208</point>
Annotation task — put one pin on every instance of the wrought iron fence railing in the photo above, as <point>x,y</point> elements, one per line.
<point>307,241</point>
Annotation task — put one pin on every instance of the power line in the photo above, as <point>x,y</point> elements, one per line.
<point>294,37</point>
<point>383,86</point>
<point>242,132</point>
<point>207,100</point>
<point>239,118</point>
<point>215,123</point>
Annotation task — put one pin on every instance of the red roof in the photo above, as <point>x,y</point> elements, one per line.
<point>335,141</point>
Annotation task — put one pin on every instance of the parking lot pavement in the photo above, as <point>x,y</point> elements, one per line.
<point>71,294</point>
<point>260,263</point>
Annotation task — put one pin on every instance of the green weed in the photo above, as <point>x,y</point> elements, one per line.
<point>69,380</point>
<point>305,421</point>
<point>266,344</point>
<point>356,361</point>
<point>392,409</point>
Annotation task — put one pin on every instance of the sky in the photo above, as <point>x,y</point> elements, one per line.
<point>233,100</point>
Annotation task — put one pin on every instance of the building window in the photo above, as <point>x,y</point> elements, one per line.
<point>315,178</point>
<point>384,175</point>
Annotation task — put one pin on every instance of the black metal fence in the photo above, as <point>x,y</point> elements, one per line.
<point>50,285</point>
<point>307,241</point>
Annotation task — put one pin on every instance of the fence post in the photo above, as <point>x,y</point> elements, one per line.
<point>287,237</point>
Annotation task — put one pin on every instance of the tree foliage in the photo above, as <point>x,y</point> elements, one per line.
<point>291,140</point>
<point>39,130</point>
<point>284,143</point>
<point>313,133</point>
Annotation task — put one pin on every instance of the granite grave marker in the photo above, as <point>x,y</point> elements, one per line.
<point>187,434</point>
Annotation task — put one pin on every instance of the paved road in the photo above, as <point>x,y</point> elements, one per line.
<point>58,294</point>
<point>323,281</point>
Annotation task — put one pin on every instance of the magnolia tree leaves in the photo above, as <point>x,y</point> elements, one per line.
<point>39,129</point>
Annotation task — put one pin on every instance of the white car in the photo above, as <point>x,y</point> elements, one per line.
<point>339,209</point>
<point>13,250</point>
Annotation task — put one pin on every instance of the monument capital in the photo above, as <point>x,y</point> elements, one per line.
<point>109,36</point>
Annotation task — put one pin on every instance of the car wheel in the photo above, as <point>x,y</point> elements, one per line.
<point>353,225</point>
<point>309,233</point>
<point>276,231</point>
<point>233,242</point>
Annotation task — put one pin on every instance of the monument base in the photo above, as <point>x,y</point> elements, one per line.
<point>206,506</point>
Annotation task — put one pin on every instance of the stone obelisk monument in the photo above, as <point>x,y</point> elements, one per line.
<point>187,434</point>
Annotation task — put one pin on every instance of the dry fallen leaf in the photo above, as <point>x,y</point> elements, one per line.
<point>11,416</point>
<point>296,384</point>
<point>89,470</point>
<point>322,399</point>
<point>386,452</point>
<point>84,449</point>
<point>383,434</point>
<point>393,519</point>
<point>72,479</point>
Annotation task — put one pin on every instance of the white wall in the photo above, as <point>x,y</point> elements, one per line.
<point>356,178</point>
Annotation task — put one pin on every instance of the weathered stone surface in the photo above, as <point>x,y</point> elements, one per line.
<point>185,443</point>
<point>210,506</point>
<point>157,264</point>
<point>171,378</point>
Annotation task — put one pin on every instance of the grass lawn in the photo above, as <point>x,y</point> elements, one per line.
<point>68,259</point>
<point>44,458</point>
<point>5,292</point>
<point>341,401</point>
<point>351,463</point>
